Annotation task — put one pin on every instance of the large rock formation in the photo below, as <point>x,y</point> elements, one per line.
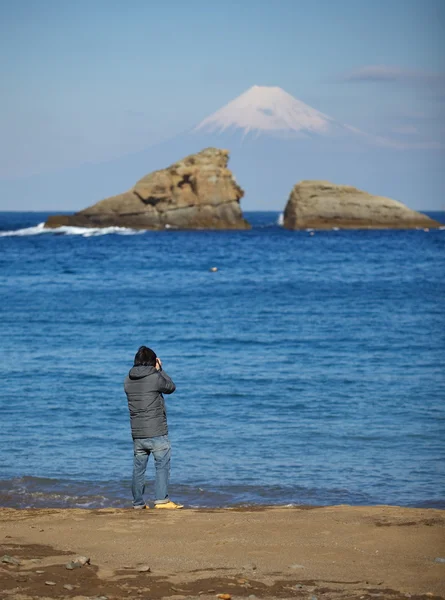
<point>325,205</point>
<point>198,192</point>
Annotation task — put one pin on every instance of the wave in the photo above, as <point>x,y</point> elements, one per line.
<point>99,231</point>
<point>41,492</point>
<point>65,230</point>
<point>35,492</point>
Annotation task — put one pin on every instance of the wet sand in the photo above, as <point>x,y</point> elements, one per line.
<point>329,553</point>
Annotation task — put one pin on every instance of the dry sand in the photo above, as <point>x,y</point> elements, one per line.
<point>324,553</point>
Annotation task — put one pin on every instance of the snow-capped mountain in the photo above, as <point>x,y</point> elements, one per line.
<point>269,110</point>
<point>274,141</point>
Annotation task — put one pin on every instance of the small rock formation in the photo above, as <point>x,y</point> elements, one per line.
<point>198,192</point>
<point>325,205</point>
<point>77,563</point>
<point>10,560</point>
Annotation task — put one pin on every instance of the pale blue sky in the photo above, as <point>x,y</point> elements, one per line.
<point>88,81</point>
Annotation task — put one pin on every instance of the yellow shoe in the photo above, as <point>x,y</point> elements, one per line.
<point>169,505</point>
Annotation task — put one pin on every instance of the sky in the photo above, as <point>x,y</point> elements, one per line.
<point>86,82</point>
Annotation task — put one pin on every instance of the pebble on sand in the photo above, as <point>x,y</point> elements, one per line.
<point>439,560</point>
<point>50,583</point>
<point>144,569</point>
<point>77,563</point>
<point>10,560</point>
<point>224,596</point>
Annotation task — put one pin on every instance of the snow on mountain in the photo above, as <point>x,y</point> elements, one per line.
<point>274,112</point>
<point>268,109</point>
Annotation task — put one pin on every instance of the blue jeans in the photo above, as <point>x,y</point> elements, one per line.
<point>161,450</point>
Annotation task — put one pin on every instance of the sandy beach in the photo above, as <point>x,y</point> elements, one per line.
<point>327,552</point>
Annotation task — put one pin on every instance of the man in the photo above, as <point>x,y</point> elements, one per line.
<point>144,386</point>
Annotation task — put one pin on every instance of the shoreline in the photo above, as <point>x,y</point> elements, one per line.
<point>27,492</point>
<point>329,552</point>
<point>122,504</point>
<point>236,507</point>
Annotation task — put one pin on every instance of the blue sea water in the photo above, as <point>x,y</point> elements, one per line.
<point>309,367</point>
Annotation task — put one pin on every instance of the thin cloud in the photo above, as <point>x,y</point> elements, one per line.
<point>405,130</point>
<point>388,142</point>
<point>388,74</point>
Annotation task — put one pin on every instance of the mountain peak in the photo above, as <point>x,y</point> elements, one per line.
<point>266,109</point>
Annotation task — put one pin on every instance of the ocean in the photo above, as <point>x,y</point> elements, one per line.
<point>309,366</point>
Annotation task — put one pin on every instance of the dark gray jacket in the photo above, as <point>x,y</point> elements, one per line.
<point>144,387</point>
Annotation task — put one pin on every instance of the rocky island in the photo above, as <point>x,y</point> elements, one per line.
<point>325,205</point>
<point>198,192</point>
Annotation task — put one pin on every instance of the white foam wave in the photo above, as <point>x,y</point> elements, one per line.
<point>280,219</point>
<point>82,231</point>
<point>38,229</point>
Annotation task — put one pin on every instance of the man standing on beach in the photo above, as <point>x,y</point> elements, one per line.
<point>144,386</point>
